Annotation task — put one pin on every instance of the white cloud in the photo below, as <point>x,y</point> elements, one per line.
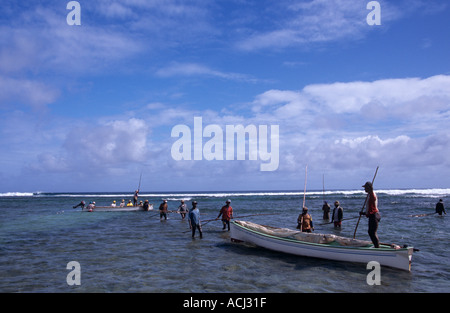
<point>84,149</point>
<point>109,144</point>
<point>116,10</point>
<point>305,23</point>
<point>308,119</point>
<point>395,153</point>
<point>159,23</point>
<point>195,69</point>
<point>362,124</point>
<point>372,140</point>
<point>18,91</point>
<point>275,97</point>
<point>187,69</point>
<point>393,94</point>
<point>311,22</point>
<point>40,40</point>
<point>423,100</point>
<point>114,144</point>
<point>50,163</point>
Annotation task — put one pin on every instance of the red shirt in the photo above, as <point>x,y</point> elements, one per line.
<point>226,212</point>
<point>372,206</point>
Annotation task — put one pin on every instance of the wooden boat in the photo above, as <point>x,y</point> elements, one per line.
<point>117,208</point>
<point>324,246</point>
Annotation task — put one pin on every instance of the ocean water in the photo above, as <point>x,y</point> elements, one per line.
<point>136,252</point>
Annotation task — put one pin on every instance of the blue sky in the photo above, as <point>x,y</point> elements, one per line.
<point>90,107</point>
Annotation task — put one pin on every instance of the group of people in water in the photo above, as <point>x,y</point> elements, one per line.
<point>305,223</point>
<point>135,202</point>
<point>226,212</point>
<point>304,220</point>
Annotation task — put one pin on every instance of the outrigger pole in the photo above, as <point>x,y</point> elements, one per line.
<point>140,178</point>
<point>304,191</point>
<point>362,210</point>
<point>304,197</point>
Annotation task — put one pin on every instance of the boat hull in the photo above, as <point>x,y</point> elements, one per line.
<point>117,209</point>
<point>386,256</point>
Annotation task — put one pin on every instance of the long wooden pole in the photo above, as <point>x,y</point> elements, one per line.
<point>304,198</point>
<point>304,191</point>
<point>140,178</point>
<point>323,187</point>
<point>260,214</point>
<point>215,219</point>
<point>345,219</point>
<point>362,209</point>
<point>420,215</point>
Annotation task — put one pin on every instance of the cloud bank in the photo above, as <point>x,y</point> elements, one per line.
<point>101,99</point>
<point>340,128</point>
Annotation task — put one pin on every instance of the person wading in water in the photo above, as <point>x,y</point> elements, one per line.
<point>227,214</point>
<point>304,220</point>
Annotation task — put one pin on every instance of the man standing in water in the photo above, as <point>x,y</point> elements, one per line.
<point>440,207</point>
<point>227,214</point>
<point>372,213</point>
<point>135,198</point>
<point>194,219</point>
<point>163,210</point>
<point>182,209</point>
<point>338,215</point>
<point>326,211</point>
<point>305,222</point>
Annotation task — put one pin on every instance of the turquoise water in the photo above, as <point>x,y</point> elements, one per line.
<point>136,252</point>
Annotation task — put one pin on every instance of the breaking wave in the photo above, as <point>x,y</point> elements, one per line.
<point>173,196</point>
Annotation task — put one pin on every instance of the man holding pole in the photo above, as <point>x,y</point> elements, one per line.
<point>372,213</point>
<point>135,197</point>
<point>136,193</point>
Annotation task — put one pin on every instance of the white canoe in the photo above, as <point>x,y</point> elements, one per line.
<point>322,246</point>
<point>117,208</point>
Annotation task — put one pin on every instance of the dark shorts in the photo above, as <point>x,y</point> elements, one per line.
<point>374,219</point>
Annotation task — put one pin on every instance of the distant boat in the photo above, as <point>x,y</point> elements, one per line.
<point>322,246</point>
<point>117,208</point>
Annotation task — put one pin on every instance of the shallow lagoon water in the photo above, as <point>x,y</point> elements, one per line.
<point>136,252</point>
